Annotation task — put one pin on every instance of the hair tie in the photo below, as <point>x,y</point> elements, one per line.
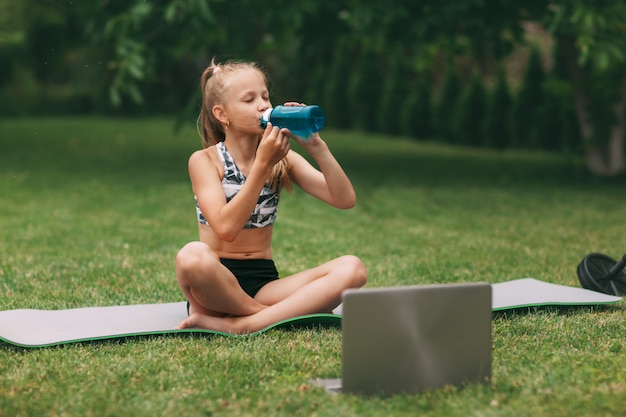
<point>216,70</point>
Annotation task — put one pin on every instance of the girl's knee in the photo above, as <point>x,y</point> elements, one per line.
<point>193,257</point>
<point>188,255</point>
<point>355,270</point>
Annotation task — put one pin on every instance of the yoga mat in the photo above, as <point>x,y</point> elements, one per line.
<point>42,328</point>
<point>531,292</point>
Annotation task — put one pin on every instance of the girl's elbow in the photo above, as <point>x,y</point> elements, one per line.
<point>227,234</point>
<point>230,237</point>
<point>347,203</point>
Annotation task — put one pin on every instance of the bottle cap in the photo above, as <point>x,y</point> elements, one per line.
<point>265,118</point>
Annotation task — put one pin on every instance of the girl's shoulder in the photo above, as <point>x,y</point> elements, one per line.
<point>206,154</point>
<point>206,158</point>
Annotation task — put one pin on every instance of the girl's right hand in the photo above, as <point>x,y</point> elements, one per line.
<point>274,145</point>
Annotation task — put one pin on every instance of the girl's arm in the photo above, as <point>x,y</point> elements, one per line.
<point>228,219</point>
<point>330,183</point>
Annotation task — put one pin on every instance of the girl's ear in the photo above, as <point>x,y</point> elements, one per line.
<point>220,114</point>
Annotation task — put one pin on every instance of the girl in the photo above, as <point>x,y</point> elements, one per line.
<point>228,276</point>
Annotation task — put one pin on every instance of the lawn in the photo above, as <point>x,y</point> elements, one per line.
<point>93,211</point>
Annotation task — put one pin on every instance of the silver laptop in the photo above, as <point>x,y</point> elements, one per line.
<point>410,339</point>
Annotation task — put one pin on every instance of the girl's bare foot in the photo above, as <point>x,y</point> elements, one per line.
<point>220,324</point>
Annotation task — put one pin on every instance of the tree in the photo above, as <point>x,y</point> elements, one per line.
<point>591,33</point>
<point>592,37</point>
<point>147,40</point>
<point>45,65</point>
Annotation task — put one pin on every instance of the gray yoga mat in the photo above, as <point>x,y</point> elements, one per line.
<point>531,292</point>
<point>41,328</point>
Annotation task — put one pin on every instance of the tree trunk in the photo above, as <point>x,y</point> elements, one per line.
<point>618,134</point>
<point>606,159</point>
<point>609,160</point>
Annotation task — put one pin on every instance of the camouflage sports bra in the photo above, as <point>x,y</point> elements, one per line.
<point>264,213</point>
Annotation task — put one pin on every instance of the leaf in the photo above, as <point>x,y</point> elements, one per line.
<point>616,51</point>
<point>114,96</point>
<point>141,10</point>
<point>203,9</point>
<point>134,93</point>
<point>136,71</point>
<point>602,59</point>
<point>556,21</point>
<point>110,27</point>
<point>170,11</point>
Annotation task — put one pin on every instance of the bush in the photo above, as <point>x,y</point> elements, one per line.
<point>554,126</point>
<point>335,101</point>
<point>559,85</point>
<point>446,103</point>
<point>416,112</point>
<point>527,101</point>
<point>470,113</point>
<point>496,123</point>
<point>394,93</point>
<point>364,91</point>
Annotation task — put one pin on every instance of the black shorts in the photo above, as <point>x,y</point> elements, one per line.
<point>252,274</point>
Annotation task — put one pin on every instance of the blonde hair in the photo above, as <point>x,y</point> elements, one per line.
<point>213,88</point>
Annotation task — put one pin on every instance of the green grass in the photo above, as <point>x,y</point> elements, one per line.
<point>93,211</point>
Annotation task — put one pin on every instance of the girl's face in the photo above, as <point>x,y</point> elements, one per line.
<point>246,99</point>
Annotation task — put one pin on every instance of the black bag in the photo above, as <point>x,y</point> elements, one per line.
<point>601,273</point>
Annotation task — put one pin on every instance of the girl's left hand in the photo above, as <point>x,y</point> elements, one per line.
<point>294,103</point>
<point>314,137</point>
<point>304,142</point>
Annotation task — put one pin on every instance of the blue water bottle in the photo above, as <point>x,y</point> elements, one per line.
<point>300,120</point>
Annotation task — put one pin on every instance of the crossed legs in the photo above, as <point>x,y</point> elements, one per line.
<point>217,302</point>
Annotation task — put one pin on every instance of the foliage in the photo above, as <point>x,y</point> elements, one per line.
<point>394,81</point>
<point>599,27</point>
<point>10,39</point>
<point>554,117</point>
<point>470,113</point>
<point>365,89</point>
<point>145,56</point>
<point>527,100</point>
<point>445,105</point>
<point>337,77</point>
<point>497,114</point>
<point>559,88</point>
<point>592,36</point>
<point>416,116</point>
<point>45,65</point>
